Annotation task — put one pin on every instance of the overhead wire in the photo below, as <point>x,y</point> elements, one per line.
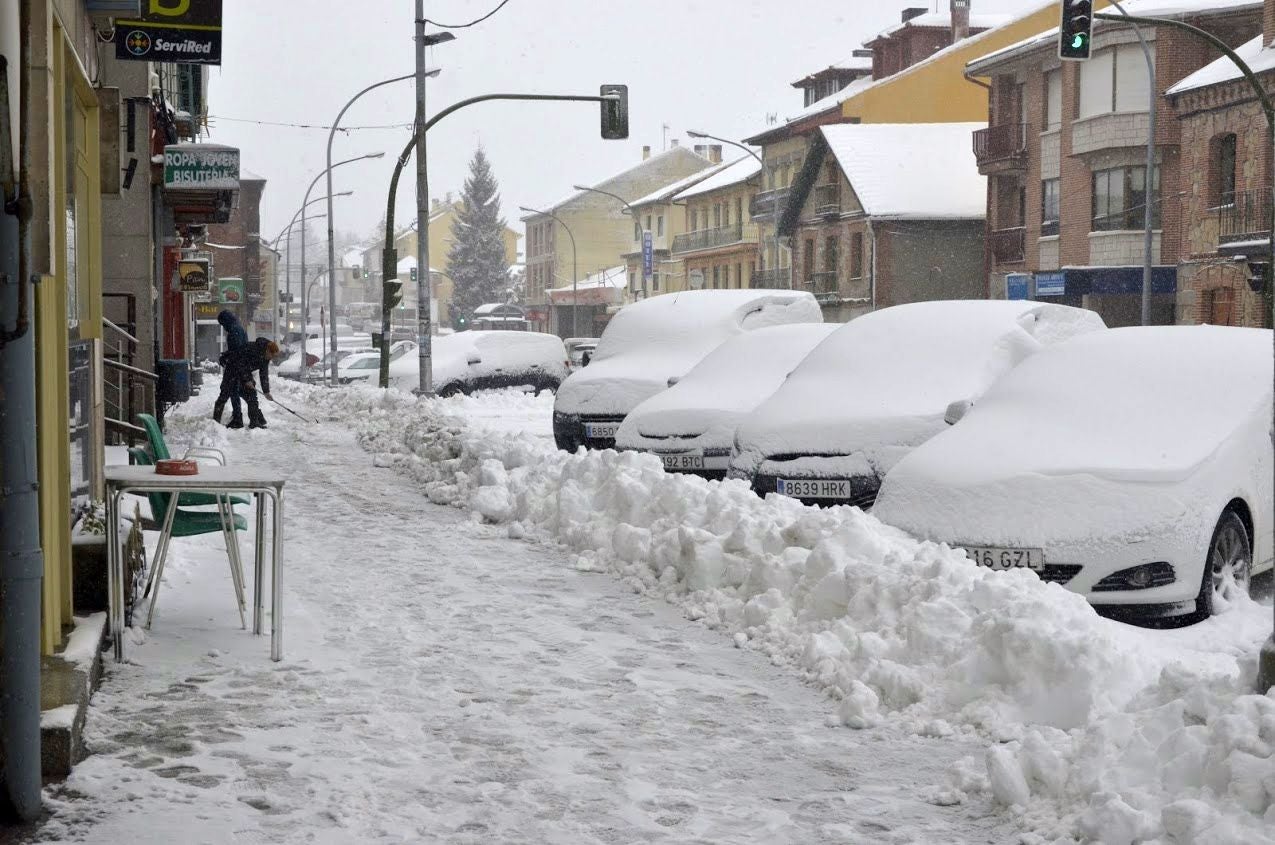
<point>407,125</point>
<point>474,22</point>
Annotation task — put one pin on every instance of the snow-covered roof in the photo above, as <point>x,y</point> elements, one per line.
<point>1259,58</point>
<point>575,195</point>
<point>1141,8</point>
<point>616,277</point>
<point>669,191</point>
<point>912,170</point>
<point>733,173</point>
<point>943,20</point>
<point>353,257</point>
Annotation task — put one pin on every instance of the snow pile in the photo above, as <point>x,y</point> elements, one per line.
<point>1099,730</point>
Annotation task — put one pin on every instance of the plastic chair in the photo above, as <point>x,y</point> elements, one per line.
<point>159,449</point>
<point>184,523</point>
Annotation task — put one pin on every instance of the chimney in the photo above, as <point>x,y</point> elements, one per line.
<point>913,12</point>
<point>715,153</point>
<point>701,150</point>
<point>646,151</point>
<point>960,20</point>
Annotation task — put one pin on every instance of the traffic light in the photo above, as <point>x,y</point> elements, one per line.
<point>1075,36</point>
<point>462,322</point>
<point>615,112</point>
<point>392,295</point>
<point>366,273</point>
<point>413,274</point>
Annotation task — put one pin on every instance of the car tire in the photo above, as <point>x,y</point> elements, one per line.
<point>449,390</point>
<point>1228,566</point>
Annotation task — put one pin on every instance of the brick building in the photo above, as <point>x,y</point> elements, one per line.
<point>237,254</point>
<point>1226,189</point>
<point>1065,153</point>
<point>886,214</point>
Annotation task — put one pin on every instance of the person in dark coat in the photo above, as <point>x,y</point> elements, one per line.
<point>239,367</point>
<point>236,340</point>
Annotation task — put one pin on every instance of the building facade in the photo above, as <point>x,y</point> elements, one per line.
<point>720,245</point>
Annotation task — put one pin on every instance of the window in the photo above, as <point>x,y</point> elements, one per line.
<point>694,219</point>
<point>648,222</point>
<point>637,230</point>
<point>830,254</point>
<point>717,216</point>
<point>1053,99</point>
<point>739,209</point>
<point>1114,81</point>
<point>739,275</point>
<point>856,255</point>
<point>659,225</point>
<point>655,280</point>
<point>716,276</point>
<point>1224,170</point>
<point>1120,196</point>
<point>633,281</point>
<point>808,260</point>
<point>1050,206</point>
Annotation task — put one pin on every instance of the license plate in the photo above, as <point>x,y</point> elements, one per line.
<point>603,430</point>
<point>683,462</point>
<point>995,557</point>
<point>813,488</point>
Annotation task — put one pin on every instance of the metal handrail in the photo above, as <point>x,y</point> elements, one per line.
<point>110,325</point>
<point>128,368</point>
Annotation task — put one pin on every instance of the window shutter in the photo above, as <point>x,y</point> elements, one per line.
<point>1095,84</point>
<point>1132,85</point>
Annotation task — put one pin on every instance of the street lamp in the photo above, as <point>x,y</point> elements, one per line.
<point>305,203</point>
<point>331,236</point>
<point>575,276</point>
<point>775,200</point>
<point>287,267</point>
<point>425,343</point>
<point>646,278</point>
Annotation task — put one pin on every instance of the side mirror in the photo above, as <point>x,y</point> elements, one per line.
<point>585,358</point>
<point>957,411</point>
<point>672,380</point>
<point>474,359</point>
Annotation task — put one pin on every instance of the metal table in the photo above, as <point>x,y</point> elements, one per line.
<point>214,480</point>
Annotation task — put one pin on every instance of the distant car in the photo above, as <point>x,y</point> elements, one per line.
<point>1132,466</point>
<point>691,426</point>
<point>649,342</point>
<point>465,362</point>
<point>365,365</point>
<point>579,355</point>
<point>879,386</point>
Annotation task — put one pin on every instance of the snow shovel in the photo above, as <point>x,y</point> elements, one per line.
<point>290,411</point>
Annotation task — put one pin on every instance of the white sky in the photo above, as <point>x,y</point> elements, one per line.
<point>715,66</point>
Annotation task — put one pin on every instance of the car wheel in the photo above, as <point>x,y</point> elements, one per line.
<point>449,390</point>
<point>1227,568</point>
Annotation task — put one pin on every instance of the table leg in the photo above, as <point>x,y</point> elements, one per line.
<point>113,591</point>
<point>276,581</point>
<point>161,555</point>
<point>232,555</point>
<point>258,566</point>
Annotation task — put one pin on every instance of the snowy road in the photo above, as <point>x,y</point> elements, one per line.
<point>445,683</point>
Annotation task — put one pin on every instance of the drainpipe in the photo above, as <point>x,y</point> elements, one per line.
<point>872,278</point>
<point>21,560</point>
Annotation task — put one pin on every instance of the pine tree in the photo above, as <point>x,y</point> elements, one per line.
<point>478,267</point>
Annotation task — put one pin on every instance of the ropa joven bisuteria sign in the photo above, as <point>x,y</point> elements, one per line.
<point>201,167</point>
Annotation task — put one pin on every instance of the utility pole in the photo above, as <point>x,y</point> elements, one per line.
<point>423,328</point>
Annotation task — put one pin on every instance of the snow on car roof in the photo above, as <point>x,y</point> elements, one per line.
<point>1141,404</point>
<point>899,367</point>
<point>915,170</point>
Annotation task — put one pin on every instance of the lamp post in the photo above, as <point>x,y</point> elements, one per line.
<point>775,200</point>
<point>425,343</point>
<point>632,213</point>
<point>305,203</point>
<point>287,266</point>
<point>575,275</point>
<point>331,236</point>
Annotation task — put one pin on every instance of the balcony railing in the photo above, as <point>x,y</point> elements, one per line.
<point>709,238</point>
<point>1246,217</point>
<point>1007,142</point>
<point>762,206</point>
<point>823,281</point>
<point>773,278</point>
<point>827,199</point>
<point>1009,244</point>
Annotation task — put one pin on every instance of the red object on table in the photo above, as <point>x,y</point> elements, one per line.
<point>176,466</point>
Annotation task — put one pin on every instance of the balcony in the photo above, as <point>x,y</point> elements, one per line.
<point>1009,245</point>
<point>1001,149</point>
<point>709,238</point>
<point>762,206</point>
<point>827,200</point>
<point>1247,217</point>
<point>777,278</point>
<point>823,281</point>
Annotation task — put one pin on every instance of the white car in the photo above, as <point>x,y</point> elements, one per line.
<point>364,367</point>
<point>661,338</point>
<point>878,387</point>
<point>485,360</point>
<point>691,426</point>
<point>1132,466</point>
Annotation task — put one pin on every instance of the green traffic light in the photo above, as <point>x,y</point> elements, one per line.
<point>1078,41</point>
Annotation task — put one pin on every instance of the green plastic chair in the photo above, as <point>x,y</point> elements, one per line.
<point>192,524</point>
<point>159,449</point>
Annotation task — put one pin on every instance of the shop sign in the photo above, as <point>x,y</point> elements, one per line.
<point>207,310</point>
<point>209,167</point>
<point>231,290</point>
<point>185,31</point>
<point>192,275</point>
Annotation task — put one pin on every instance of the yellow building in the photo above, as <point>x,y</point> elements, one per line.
<point>720,244</point>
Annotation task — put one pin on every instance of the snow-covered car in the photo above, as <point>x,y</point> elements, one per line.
<point>1132,466</point>
<point>486,360</point>
<point>650,342</point>
<point>691,426</point>
<point>879,386</point>
<point>365,366</point>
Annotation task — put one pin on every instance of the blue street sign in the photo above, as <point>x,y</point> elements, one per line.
<point>1051,284</point>
<point>1016,286</point>
<point>648,255</point>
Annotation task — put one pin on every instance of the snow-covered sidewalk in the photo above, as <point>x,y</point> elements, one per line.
<point>446,683</point>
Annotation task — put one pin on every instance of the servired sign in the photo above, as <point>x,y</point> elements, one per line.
<point>187,31</point>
